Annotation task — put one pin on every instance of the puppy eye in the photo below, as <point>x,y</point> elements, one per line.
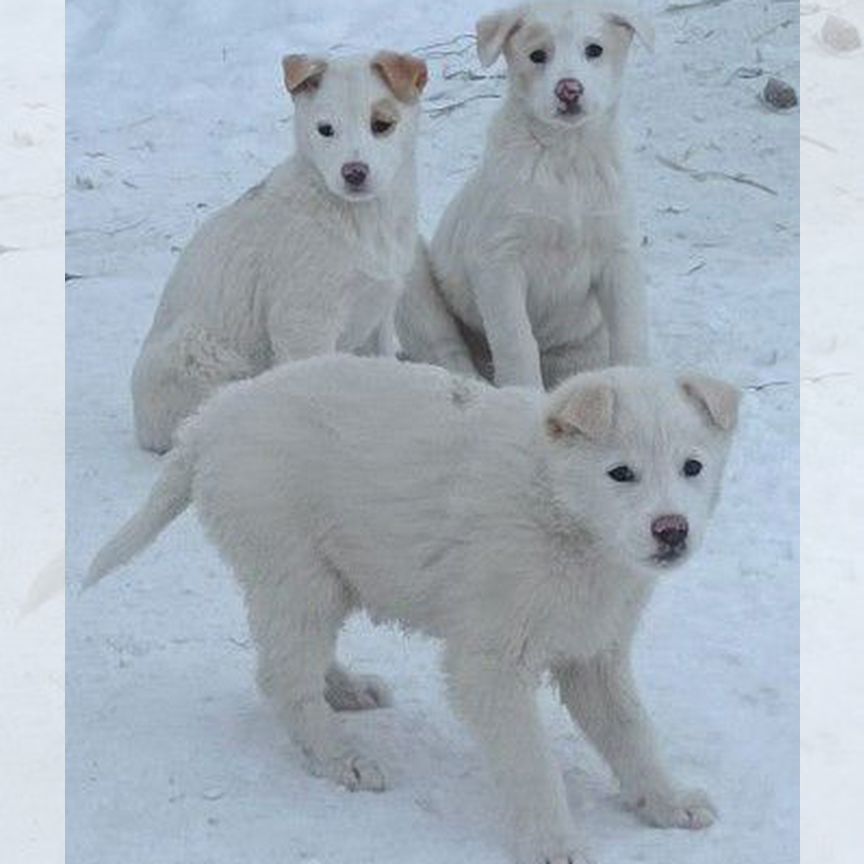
<point>622,474</point>
<point>538,56</point>
<point>382,127</point>
<point>326,130</point>
<point>593,51</point>
<point>692,467</point>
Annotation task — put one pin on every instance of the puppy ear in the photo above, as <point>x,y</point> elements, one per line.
<point>586,410</point>
<point>302,73</point>
<point>717,399</point>
<point>406,76</point>
<point>637,23</point>
<point>494,30</point>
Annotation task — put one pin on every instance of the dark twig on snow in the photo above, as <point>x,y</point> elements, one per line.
<point>809,379</point>
<point>433,45</point>
<point>471,75</point>
<point>767,385</point>
<point>452,106</point>
<point>701,176</point>
<point>108,232</point>
<point>672,8</point>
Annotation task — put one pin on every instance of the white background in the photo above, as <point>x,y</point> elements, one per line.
<point>31,431</point>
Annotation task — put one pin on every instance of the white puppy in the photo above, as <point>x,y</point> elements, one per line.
<point>310,261</point>
<point>535,262</point>
<point>525,530</point>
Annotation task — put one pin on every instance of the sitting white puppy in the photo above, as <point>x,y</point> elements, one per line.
<point>526,531</point>
<point>535,264</point>
<point>310,261</point>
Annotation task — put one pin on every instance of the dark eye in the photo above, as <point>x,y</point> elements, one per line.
<point>382,127</point>
<point>538,56</point>
<point>622,474</point>
<point>593,51</point>
<point>692,467</point>
<point>326,130</point>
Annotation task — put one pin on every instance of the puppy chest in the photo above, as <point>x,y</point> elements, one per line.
<point>367,302</point>
<point>586,618</point>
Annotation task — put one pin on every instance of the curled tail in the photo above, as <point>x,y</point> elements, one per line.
<point>170,496</point>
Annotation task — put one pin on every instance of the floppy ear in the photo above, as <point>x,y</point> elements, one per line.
<point>637,23</point>
<point>494,30</point>
<point>717,399</point>
<point>406,76</point>
<point>587,411</point>
<point>302,72</point>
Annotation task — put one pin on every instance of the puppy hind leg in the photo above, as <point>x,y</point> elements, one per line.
<point>295,625</point>
<point>425,327</point>
<point>172,379</point>
<point>561,362</point>
<point>345,691</point>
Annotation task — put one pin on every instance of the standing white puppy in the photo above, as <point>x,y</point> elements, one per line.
<point>534,265</point>
<point>527,531</point>
<point>311,260</point>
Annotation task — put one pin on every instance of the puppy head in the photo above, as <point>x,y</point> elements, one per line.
<point>637,457</point>
<point>356,118</point>
<point>565,58</point>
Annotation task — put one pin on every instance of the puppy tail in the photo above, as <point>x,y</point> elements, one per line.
<point>171,495</point>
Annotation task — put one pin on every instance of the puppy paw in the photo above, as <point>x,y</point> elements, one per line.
<point>555,851</point>
<point>346,692</point>
<point>358,773</point>
<point>691,810</point>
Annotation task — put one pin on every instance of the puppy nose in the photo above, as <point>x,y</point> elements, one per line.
<point>569,90</point>
<point>670,530</point>
<point>355,173</point>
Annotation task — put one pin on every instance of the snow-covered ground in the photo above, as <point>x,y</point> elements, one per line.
<point>174,109</point>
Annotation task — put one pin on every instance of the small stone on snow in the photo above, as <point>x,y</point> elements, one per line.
<point>779,94</point>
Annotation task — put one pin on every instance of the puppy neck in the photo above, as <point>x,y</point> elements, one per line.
<point>384,226</point>
<point>589,147</point>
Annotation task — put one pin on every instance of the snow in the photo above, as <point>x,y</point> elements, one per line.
<point>174,109</point>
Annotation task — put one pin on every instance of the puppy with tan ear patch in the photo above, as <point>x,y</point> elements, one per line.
<point>534,273</point>
<point>526,531</point>
<point>309,261</point>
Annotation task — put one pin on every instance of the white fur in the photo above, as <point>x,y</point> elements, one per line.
<point>480,516</point>
<point>538,255</point>
<point>298,266</point>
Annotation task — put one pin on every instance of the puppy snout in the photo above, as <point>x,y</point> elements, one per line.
<point>355,174</point>
<point>569,90</point>
<point>671,531</point>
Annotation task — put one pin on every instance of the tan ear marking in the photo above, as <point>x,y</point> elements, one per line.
<point>585,411</point>
<point>406,76</point>
<point>302,72</point>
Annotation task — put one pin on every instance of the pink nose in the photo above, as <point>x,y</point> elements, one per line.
<point>569,90</point>
<point>670,530</point>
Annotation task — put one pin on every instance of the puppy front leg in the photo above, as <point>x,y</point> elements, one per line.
<point>601,697</point>
<point>501,711</point>
<point>621,295</point>
<point>500,291</point>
